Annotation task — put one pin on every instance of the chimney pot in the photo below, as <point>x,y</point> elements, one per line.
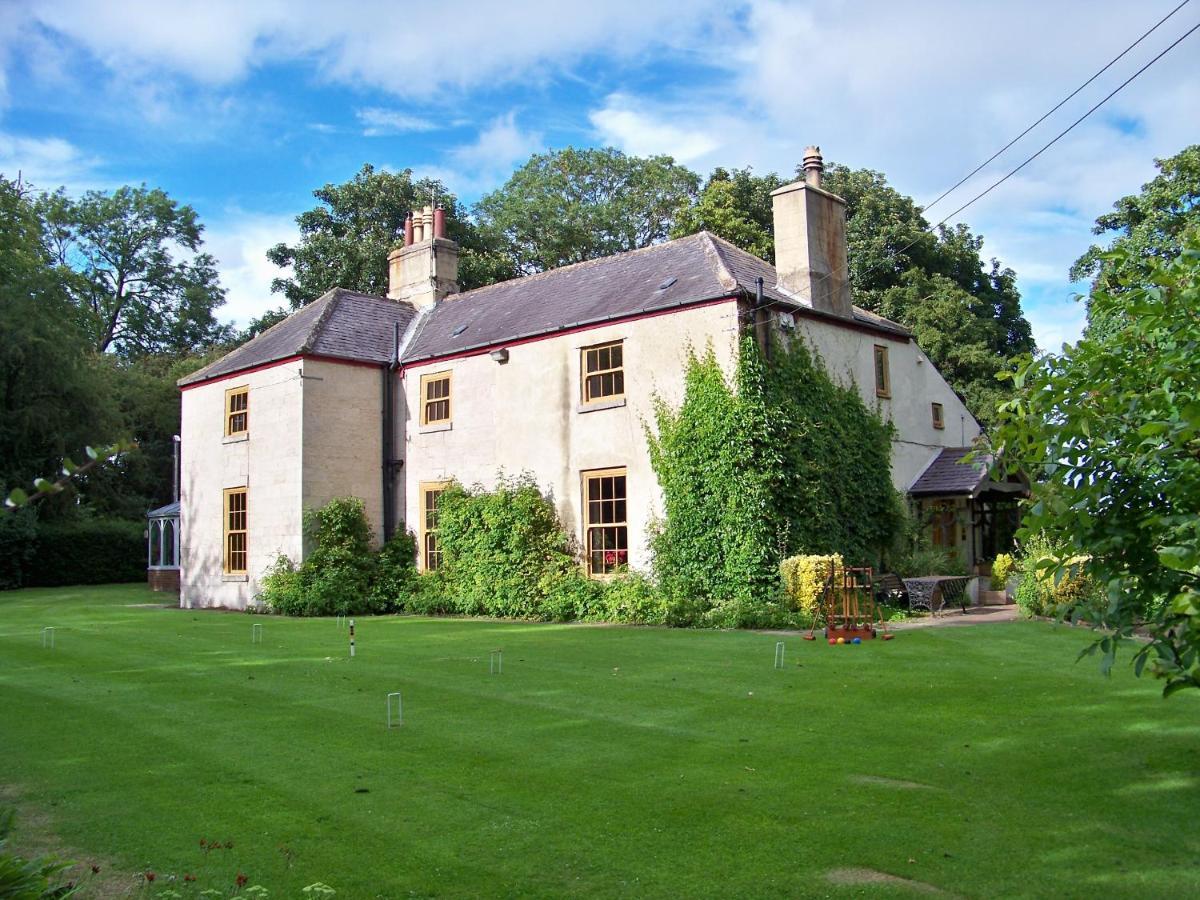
<point>814,166</point>
<point>408,231</point>
<point>439,223</point>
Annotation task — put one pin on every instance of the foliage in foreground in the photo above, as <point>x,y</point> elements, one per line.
<point>29,879</point>
<point>1112,427</point>
<point>1149,225</point>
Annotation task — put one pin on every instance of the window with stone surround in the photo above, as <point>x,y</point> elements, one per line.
<point>431,554</point>
<point>883,380</point>
<point>939,416</point>
<point>603,368</point>
<point>237,411</point>
<point>605,521</point>
<point>435,398</point>
<point>236,548</point>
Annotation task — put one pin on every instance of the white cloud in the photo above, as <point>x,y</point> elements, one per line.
<point>377,121</point>
<point>409,49</point>
<point>239,242</point>
<point>47,163</point>
<point>643,129</point>
<point>474,168</point>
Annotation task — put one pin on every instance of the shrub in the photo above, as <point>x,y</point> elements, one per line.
<point>804,578</point>
<point>337,575</point>
<point>925,560</point>
<point>573,596</point>
<point>1003,568</point>
<point>504,550</point>
<point>282,588</point>
<point>395,572</point>
<point>630,598</point>
<point>1035,591</point>
<point>88,551</point>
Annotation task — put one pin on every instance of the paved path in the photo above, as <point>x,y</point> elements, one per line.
<point>975,615</point>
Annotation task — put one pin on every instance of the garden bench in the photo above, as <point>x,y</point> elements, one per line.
<point>889,588</point>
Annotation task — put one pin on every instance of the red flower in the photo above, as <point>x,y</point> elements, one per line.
<point>189,877</point>
<point>241,880</point>
<point>150,876</point>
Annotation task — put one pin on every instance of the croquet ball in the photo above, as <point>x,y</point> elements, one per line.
<point>841,640</point>
<point>856,641</point>
<point>833,642</point>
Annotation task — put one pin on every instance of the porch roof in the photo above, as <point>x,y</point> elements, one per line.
<point>949,474</point>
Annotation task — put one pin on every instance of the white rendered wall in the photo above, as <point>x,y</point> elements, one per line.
<point>266,462</point>
<point>524,415</point>
<point>849,355</point>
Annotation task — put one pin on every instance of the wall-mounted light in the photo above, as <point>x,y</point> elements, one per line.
<point>500,356</point>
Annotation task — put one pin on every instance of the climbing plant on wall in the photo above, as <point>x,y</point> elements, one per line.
<point>780,459</point>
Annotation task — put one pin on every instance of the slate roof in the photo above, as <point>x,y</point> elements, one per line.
<point>949,475</point>
<point>683,272</point>
<point>171,509</point>
<point>678,273</point>
<point>340,324</point>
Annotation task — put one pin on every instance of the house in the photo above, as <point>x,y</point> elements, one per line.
<point>390,398</point>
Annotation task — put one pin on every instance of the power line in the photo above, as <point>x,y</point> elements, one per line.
<point>1071,127</point>
<point>1029,159</point>
<point>1055,109</point>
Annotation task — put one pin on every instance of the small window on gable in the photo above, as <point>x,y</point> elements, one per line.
<point>237,411</point>
<point>603,372</point>
<point>939,416</point>
<point>435,398</point>
<point>883,381</point>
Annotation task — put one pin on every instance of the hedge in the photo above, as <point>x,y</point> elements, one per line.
<point>92,551</point>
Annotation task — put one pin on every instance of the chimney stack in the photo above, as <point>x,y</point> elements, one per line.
<point>810,241</point>
<point>425,269</point>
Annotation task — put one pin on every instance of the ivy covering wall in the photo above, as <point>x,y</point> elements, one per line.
<point>779,460</point>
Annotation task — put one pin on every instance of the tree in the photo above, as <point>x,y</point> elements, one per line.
<point>1112,428</point>
<point>121,251</point>
<point>572,205</point>
<point>965,313</point>
<point>53,395</point>
<point>1148,225</point>
<point>345,241</point>
<point>737,206</point>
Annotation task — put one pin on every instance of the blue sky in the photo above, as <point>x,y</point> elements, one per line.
<point>243,108</point>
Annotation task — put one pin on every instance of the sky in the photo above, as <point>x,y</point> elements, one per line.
<point>242,108</point>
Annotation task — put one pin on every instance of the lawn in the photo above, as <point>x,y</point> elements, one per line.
<point>603,761</point>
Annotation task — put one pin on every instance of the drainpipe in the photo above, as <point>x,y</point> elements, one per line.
<point>389,463</point>
<point>761,330</point>
<point>175,468</point>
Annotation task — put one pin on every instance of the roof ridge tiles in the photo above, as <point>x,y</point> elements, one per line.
<point>332,297</point>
